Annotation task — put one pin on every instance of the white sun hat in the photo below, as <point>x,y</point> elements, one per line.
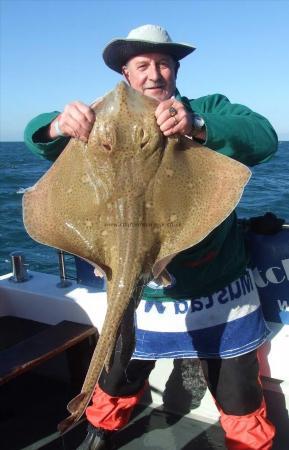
<point>144,39</point>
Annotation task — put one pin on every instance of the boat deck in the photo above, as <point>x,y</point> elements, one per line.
<point>30,423</point>
<point>33,403</point>
<point>39,403</point>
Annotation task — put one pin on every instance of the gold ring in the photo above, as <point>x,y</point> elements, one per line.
<point>173,112</point>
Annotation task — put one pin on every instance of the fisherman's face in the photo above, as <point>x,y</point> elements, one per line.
<point>152,74</point>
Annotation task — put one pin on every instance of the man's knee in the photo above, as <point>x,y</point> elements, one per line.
<point>120,382</point>
<point>234,382</point>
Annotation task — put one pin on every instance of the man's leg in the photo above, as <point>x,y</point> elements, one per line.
<point>115,396</point>
<point>117,393</point>
<point>235,385</point>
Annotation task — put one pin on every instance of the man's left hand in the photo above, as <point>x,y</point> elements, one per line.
<point>172,121</point>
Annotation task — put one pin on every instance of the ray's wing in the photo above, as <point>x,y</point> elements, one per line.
<point>196,189</point>
<point>62,209</point>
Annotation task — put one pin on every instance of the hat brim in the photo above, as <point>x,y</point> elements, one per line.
<point>119,51</point>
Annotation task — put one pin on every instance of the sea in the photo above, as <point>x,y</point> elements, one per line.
<point>267,190</point>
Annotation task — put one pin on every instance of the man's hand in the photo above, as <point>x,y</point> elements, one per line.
<point>172,117</point>
<point>169,124</point>
<point>76,121</point>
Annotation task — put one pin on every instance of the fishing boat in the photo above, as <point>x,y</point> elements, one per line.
<point>49,327</point>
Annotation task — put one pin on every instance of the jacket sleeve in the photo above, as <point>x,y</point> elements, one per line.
<point>235,130</point>
<point>33,137</point>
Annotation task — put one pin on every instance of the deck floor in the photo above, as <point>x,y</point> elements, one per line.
<point>31,407</point>
<point>156,430</point>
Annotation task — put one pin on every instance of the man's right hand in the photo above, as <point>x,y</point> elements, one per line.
<point>76,121</point>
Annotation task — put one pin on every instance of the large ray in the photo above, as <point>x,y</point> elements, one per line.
<point>128,201</point>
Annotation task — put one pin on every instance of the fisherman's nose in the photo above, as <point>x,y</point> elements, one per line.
<point>154,73</point>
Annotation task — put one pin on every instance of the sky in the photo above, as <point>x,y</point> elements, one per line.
<point>51,53</point>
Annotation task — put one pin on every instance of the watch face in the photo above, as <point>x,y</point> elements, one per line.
<point>198,122</point>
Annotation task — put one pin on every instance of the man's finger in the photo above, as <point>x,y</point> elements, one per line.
<point>86,111</point>
<point>163,106</point>
<point>163,117</point>
<point>74,112</point>
<point>71,126</point>
<point>171,131</point>
<point>169,124</point>
<point>77,120</point>
<point>67,130</point>
<point>178,126</point>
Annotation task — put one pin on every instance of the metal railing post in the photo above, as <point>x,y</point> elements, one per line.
<point>19,268</point>
<point>62,271</point>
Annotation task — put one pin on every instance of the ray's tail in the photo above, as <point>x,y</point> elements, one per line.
<point>118,300</point>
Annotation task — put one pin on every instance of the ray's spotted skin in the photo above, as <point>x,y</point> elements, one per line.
<point>128,201</point>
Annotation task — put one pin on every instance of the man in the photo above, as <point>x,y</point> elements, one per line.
<point>149,61</point>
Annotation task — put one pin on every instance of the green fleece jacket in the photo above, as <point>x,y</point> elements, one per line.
<point>233,130</point>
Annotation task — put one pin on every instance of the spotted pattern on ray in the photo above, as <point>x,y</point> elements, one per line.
<point>128,201</point>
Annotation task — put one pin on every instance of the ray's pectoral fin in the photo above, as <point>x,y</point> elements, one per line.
<point>196,190</point>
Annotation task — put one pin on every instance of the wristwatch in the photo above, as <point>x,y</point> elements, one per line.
<point>198,124</point>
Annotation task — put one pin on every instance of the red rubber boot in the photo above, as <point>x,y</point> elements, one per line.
<point>250,432</point>
<point>111,413</point>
